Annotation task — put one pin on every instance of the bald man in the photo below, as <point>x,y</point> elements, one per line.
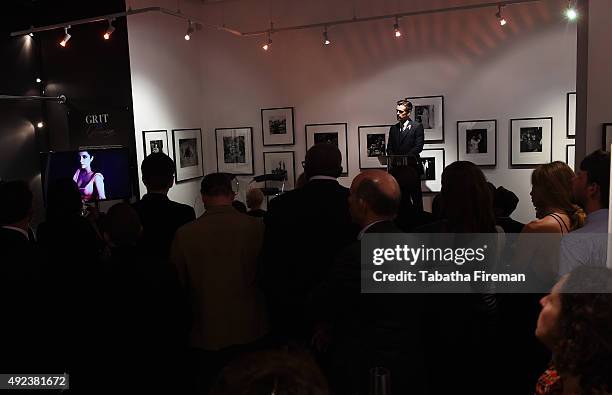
<point>368,329</point>
<point>374,201</point>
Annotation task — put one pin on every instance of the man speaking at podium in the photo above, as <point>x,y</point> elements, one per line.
<point>407,138</point>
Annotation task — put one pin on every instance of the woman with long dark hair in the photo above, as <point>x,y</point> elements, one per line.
<point>90,183</point>
<point>461,327</point>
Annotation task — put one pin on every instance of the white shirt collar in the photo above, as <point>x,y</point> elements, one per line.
<point>23,232</point>
<point>406,124</point>
<point>322,178</point>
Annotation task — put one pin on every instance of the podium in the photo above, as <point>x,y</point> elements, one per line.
<point>392,161</point>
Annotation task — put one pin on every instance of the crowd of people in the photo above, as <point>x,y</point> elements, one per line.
<point>147,297</point>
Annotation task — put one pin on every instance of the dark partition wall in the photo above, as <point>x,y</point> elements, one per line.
<point>93,73</point>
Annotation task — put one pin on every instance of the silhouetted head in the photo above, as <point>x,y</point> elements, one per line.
<point>254,198</point>
<point>375,195</point>
<point>157,172</point>
<point>122,225</point>
<point>467,203</point>
<point>15,203</point>
<point>323,160</point>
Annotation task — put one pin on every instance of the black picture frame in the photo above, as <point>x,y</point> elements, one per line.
<point>376,165</point>
<point>291,179</point>
<point>546,153</point>
<point>343,150</point>
<point>466,156</point>
<point>569,111</point>
<point>606,136</point>
<point>433,186</point>
<point>567,155</point>
<point>423,100</point>
<point>180,178</point>
<point>144,140</point>
<point>265,130</point>
<point>250,164</point>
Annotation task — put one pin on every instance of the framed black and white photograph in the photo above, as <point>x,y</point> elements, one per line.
<point>329,133</point>
<point>235,150</point>
<point>187,144</point>
<point>530,141</point>
<point>372,144</point>
<point>433,166</point>
<point>570,114</point>
<point>277,126</point>
<point>429,111</point>
<point>606,137</point>
<point>570,155</point>
<point>477,141</point>
<point>282,162</point>
<point>155,141</point>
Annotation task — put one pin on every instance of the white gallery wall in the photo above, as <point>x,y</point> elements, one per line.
<point>166,83</point>
<point>599,81</point>
<point>484,72</point>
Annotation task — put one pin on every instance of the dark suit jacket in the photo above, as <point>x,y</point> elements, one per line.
<point>509,225</point>
<point>305,229</point>
<point>370,329</point>
<point>22,297</point>
<point>160,218</point>
<point>411,143</point>
<point>259,213</point>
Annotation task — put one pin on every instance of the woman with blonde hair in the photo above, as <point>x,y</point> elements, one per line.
<point>536,254</point>
<point>557,215</point>
<point>551,195</point>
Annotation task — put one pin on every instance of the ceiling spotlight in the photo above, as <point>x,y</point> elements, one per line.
<point>326,40</point>
<point>110,29</point>
<point>38,80</point>
<point>31,34</point>
<point>190,30</point>
<point>396,28</point>
<point>40,125</point>
<point>66,36</point>
<point>498,15</point>
<point>267,45</point>
<point>571,13</point>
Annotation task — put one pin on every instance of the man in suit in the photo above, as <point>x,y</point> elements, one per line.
<point>160,216</point>
<point>216,259</point>
<point>407,137</point>
<point>305,229</point>
<point>21,336</point>
<point>368,330</point>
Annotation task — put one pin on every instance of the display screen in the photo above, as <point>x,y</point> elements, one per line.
<point>100,173</point>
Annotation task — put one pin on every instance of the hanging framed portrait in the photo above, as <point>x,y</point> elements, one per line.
<point>329,133</point>
<point>606,137</point>
<point>155,141</point>
<point>433,166</point>
<point>429,111</point>
<point>477,142</point>
<point>235,150</point>
<point>570,114</point>
<point>530,141</point>
<point>372,144</point>
<point>570,155</point>
<point>187,144</point>
<point>277,126</point>
<point>281,162</point>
